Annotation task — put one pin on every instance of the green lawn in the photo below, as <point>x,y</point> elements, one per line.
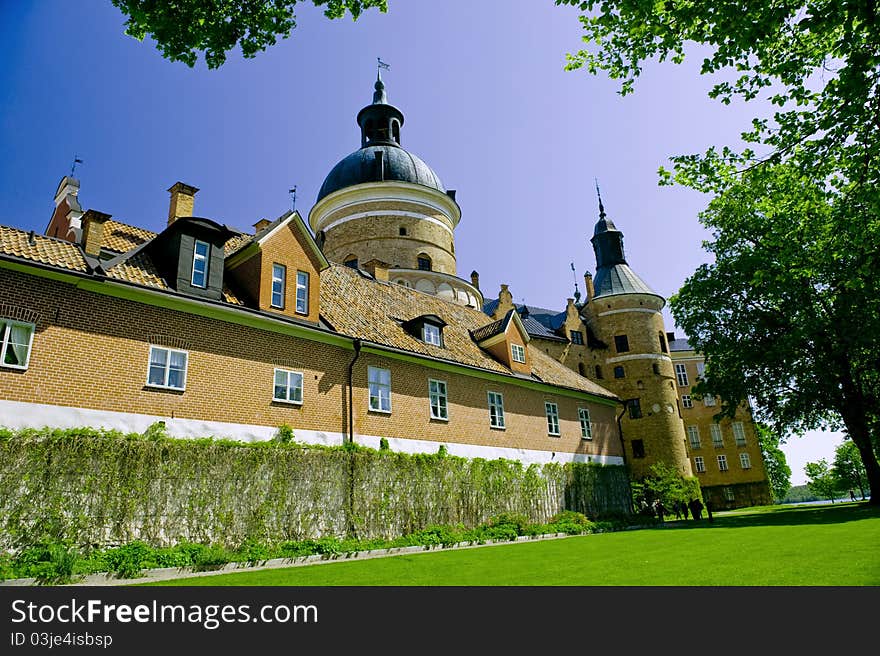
<point>833,545</point>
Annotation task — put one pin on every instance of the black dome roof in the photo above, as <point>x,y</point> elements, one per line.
<point>361,166</point>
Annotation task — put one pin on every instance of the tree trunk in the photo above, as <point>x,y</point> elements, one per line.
<point>856,421</point>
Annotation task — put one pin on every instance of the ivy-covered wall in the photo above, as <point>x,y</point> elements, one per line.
<point>104,488</point>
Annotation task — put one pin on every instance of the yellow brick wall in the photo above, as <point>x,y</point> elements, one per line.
<point>92,351</point>
<point>378,237</point>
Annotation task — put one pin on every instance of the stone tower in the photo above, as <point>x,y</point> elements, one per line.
<point>625,315</point>
<point>382,207</point>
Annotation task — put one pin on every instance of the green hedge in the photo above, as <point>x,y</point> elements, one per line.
<point>96,488</point>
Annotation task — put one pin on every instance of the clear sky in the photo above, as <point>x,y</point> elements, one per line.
<point>487,104</point>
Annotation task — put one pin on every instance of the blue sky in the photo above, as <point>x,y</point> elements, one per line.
<point>487,104</point>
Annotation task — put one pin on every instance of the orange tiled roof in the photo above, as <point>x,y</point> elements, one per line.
<point>362,307</point>
<point>121,237</point>
<point>45,250</point>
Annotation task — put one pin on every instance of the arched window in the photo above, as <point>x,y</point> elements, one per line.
<point>663,346</point>
<point>351,261</point>
<point>598,372</point>
<point>369,130</point>
<point>582,369</point>
<point>395,131</point>
<point>423,262</point>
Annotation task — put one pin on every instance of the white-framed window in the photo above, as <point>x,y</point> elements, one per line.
<point>379,381</point>
<point>16,339</point>
<point>288,386</point>
<point>552,412</point>
<point>694,436</point>
<point>431,334</point>
<point>496,410</point>
<point>708,401</point>
<point>701,369</point>
<point>586,425</point>
<point>699,464</point>
<point>302,292</point>
<point>437,396</point>
<point>722,463</point>
<point>744,461</point>
<point>167,368</point>
<point>717,438</point>
<point>518,353</point>
<point>687,401</point>
<point>739,433</point>
<point>201,252</point>
<point>728,494</point>
<point>681,374</point>
<point>279,281</point>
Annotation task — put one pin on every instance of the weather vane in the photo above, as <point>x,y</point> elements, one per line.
<point>76,160</point>
<point>382,65</point>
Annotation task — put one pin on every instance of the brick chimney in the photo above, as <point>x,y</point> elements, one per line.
<point>182,201</point>
<point>93,231</point>
<point>262,223</point>
<point>376,268</point>
<point>588,286</point>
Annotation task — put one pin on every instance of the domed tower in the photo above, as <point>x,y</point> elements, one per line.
<point>382,204</point>
<point>626,315</point>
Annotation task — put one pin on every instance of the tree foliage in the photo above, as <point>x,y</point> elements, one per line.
<point>848,468</point>
<point>787,311</point>
<point>185,28</point>
<point>778,471</point>
<point>822,480</point>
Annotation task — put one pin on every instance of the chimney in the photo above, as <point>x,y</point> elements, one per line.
<point>377,268</point>
<point>182,201</point>
<point>262,223</point>
<point>588,286</point>
<point>93,231</point>
<point>475,279</point>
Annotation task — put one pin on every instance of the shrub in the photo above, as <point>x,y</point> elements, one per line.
<point>129,560</point>
<point>211,558</point>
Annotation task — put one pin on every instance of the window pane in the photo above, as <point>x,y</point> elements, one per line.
<point>302,292</point>
<point>295,382</point>
<point>18,342</point>
<point>157,375</point>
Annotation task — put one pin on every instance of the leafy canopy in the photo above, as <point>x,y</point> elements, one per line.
<point>185,28</point>
<point>814,62</point>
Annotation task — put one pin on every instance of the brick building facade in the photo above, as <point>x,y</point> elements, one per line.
<point>356,328</point>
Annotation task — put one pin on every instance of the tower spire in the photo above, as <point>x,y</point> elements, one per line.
<point>599,195</point>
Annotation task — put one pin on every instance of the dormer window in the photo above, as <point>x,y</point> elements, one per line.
<point>302,292</point>
<point>427,328</point>
<point>431,334</point>
<point>200,264</point>
<point>518,353</point>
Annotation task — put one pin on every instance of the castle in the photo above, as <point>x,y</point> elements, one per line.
<point>351,325</point>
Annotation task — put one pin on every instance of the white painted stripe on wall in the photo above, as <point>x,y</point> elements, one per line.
<point>17,415</point>
<point>648,310</point>
<point>362,215</point>
<point>640,356</point>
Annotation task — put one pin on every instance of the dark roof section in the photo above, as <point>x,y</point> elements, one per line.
<point>619,279</point>
<point>491,329</point>
<point>362,166</point>
<point>680,345</point>
<point>538,322</point>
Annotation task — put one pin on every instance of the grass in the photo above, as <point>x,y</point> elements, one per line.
<point>826,545</point>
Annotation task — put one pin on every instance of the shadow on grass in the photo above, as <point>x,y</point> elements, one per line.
<point>837,513</point>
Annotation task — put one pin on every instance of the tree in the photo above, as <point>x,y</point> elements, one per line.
<point>185,28</point>
<point>821,479</point>
<point>778,471</point>
<point>788,310</point>
<point>848,468</point>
